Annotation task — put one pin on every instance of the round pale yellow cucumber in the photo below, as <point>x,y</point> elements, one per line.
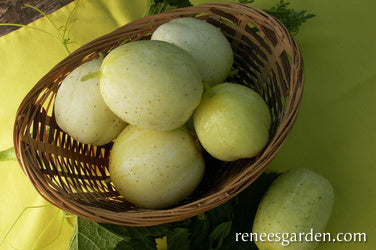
<point>156,169</point>
<point>232,122</point>
<point>294,211</point>
<point>208,46</point>
<point>81,111</point>
<point>151,84</point>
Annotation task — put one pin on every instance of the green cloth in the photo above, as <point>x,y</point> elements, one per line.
<point>333,135</point>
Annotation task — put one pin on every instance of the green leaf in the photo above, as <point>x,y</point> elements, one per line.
<point>138,233</point>
<point>91,235</point>
<point>8,155</point>
<point>200,229</point>
<point>246,1</point>
<point>175,3</point>
<point>219,234</point>
<point>221,214</point>
<point>291,18</point>
<point>136,244</point>
<point>159,6</point>
<point>139,237</point>
<point>178,239</point>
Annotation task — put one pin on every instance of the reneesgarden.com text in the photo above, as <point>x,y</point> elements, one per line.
<point>286,238</point>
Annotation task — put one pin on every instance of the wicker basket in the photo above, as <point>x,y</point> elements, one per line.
<point>75,177</point>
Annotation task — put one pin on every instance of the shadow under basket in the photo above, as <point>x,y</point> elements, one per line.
<point>74,176</point>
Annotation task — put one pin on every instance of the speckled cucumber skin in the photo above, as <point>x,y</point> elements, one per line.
<point>156,169</point>
<point>298,201</point>
<point>208,46</point>
<point>151,84</point>
<point>81,111</point>
<point>232,122</point>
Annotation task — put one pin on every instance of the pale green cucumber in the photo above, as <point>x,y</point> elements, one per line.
<point>294,211</point>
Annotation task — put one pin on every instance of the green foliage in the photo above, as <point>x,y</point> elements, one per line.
<point>178,238</point>
<point>8,155</point>
<point>159,6</point>
<point>246,1</point>
<point>91,235</point>
<point>219,234</point>
<point>291,18</point>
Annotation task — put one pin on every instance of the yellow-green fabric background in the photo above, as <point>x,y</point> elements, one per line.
<point>333,135</point>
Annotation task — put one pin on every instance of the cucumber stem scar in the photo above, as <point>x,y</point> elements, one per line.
<point>92,75</point>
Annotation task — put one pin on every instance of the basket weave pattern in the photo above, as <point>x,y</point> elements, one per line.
<point>74,176</point>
